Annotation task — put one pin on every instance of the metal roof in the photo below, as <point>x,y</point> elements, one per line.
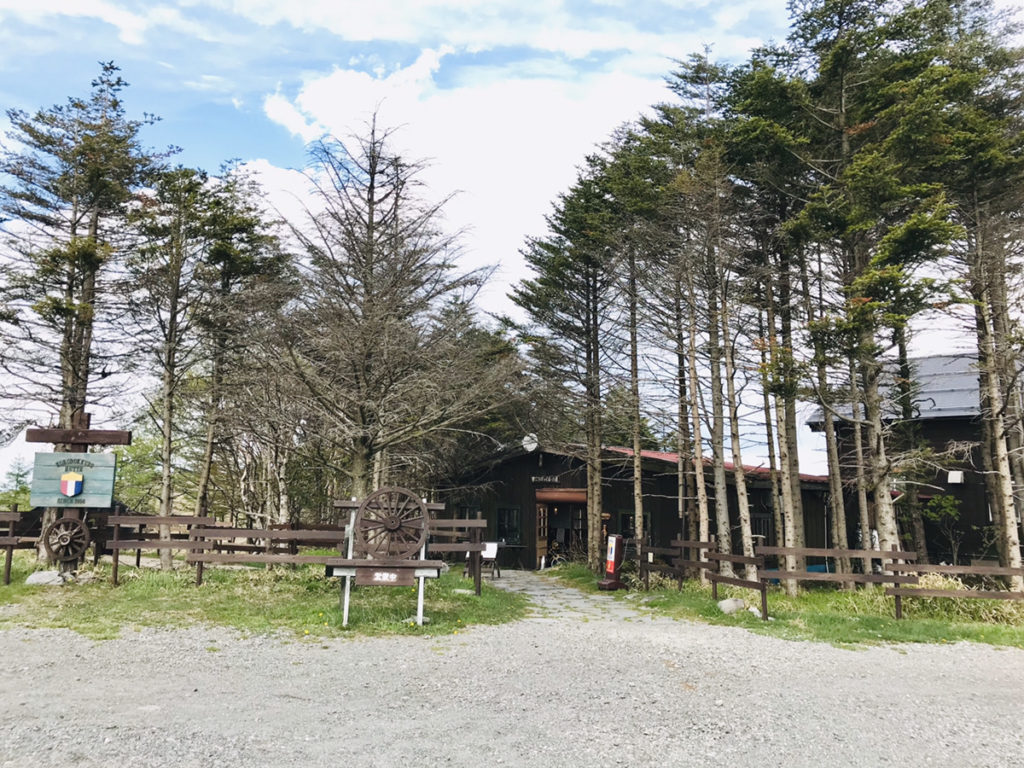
<point>944,386</point>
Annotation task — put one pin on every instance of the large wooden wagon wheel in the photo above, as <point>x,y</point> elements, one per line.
<point>66,539</point>
<point>391,522</point>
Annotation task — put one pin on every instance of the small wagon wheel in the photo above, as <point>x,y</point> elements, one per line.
<point>391,522</point>
<point>66,539</point>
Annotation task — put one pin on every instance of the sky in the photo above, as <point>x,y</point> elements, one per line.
<point>502,99</point>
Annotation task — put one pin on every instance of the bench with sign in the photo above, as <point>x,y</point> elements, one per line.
<point>387,545</point>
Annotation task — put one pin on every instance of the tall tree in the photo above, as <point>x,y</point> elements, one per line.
<point>245,277</point>
<point>376,340</point>
<point>568,303</point>
<point>70,172</point>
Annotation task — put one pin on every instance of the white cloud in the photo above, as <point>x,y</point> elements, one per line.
<point>481,25</point>
<point>280,110</point>
<point>130,26</point>
<point>509,145</point>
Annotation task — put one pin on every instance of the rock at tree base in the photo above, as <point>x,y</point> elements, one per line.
<point>731,605</point>
<point>45,579</point>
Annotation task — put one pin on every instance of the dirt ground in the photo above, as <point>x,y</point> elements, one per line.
<point>585,680</point>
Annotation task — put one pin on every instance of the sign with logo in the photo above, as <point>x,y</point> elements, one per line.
<point>73,480</point>
<point>71,483</point>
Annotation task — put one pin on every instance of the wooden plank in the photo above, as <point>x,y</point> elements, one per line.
<point>10,517</point>
<point>221,546</point>
<point>359,562</point>
<point>20,542</point>
<point>693,544</point>
<point>742,559</point>
<point>448,524</point>
<point>968,570</point>
<point>334,560</point>
<point>384,576</point>
<point>860,578</point>
<point>735,581</point>
<point>79,436</point>
<point>853,554</point>
<point>158,544</point>
<point>158,520</point>
<point>661,551</point>
<point>659,568</point>
<point>264,559</point>
<point>704,564</point>
<point>459,546</point>
<point>980,594</point>
<point>270,535</point>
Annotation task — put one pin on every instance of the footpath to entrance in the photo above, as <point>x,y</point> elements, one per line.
<point>585,680</point>
<point>554,602</point>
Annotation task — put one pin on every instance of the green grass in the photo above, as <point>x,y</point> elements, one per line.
<point>299,601</point>
<point>825,614</point>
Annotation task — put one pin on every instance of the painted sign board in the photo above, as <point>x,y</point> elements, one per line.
<point>73,480</point>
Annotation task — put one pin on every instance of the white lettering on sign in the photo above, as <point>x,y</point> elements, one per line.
<point>385,576</point>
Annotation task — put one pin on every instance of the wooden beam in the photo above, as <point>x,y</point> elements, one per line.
<point>79,436</point>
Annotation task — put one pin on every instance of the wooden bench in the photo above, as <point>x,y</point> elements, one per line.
<point>953,570</point>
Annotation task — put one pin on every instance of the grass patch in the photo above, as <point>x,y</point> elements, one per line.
<point>301,601</point>
<point>825,614</point>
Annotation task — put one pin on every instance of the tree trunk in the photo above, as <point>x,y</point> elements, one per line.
<point>684,441</point>
<point>769,433</point>
<point>1006,514</point>
<point>700,482</point>
<point>885,512</point>
<point>864,514</point>
<point>739,474</point>
<point>634,393</point>
<point>723,527</point>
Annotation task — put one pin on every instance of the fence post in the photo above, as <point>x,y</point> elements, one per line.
<point>478,559</point>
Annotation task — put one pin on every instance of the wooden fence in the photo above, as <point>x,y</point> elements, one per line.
<point>954,570</point>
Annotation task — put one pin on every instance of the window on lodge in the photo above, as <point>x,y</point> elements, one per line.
<point>509,525</point>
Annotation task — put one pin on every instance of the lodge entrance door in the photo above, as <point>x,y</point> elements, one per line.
<point>542,532</point>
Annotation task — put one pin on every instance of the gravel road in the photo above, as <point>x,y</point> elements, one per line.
<point>584,681</point>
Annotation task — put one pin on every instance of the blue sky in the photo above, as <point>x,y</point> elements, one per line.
<point>503,98</point>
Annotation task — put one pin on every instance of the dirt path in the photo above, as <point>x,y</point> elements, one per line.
<point>585,680</point>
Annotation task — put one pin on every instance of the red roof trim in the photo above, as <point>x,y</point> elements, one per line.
<point>673,458</point>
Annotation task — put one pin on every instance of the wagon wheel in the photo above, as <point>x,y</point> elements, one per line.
<point>391,522</point>
<point>66,539</point>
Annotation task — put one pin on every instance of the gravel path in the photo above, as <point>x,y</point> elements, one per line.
<point>585,680</point>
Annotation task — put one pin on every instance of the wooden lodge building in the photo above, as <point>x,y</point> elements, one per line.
<point>947,410</point>
<point>535,502</point>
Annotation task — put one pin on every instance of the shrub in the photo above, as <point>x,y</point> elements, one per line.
<point>960,608</point>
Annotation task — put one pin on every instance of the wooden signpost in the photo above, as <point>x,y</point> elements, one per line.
<point>73,485</point>
<point>387,545</point>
